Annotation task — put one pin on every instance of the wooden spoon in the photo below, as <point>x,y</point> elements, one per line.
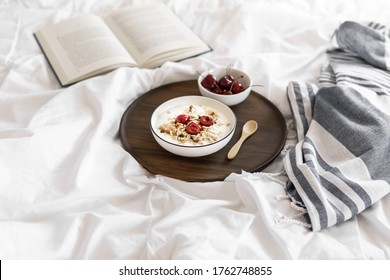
<point>248,129</point>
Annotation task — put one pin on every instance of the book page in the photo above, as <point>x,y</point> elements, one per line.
<point>80,46</point>
<point>152,30</point>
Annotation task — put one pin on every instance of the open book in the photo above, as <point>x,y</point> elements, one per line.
<point>139,36</point>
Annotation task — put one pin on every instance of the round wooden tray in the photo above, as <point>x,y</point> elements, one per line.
<point>255,154</point>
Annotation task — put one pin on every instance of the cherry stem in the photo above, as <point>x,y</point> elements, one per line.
<point>228,68</point>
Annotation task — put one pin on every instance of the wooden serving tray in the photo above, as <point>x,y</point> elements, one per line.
<point>256,153</point>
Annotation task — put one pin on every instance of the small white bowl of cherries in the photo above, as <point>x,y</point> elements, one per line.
<point>230,86</point>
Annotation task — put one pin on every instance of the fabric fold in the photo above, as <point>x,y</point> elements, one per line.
<point>339,167</point>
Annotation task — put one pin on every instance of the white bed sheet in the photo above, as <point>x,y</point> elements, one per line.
<point>68,190</point>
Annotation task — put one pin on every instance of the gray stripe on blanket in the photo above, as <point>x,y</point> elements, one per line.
<point>367,42</point>
<point>358,189</point>
<point>340,165</point>
<point>358,125</point>
<point>310,193</point>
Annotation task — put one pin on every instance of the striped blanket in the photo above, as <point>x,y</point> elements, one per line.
<point>341,163</point>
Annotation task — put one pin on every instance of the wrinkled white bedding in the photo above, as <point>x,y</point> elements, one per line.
<point>68,190</point>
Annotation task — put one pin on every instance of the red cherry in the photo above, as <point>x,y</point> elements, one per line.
<point>229,77</point>
<point>183,118</point>
<point>193,128</point>
<point>227,92</point>
<point>209,82</point>
<point>217,90</point>
<point>225,82</point>
<point>236,87</point>
<point>206,120</point>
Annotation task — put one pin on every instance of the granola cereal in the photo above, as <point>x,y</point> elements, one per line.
<point>193,125</point>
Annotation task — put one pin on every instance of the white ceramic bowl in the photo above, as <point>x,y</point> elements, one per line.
<point>232,99</point>
<point>167,112</point>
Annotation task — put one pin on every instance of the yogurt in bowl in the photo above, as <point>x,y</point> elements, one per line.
<point>193,126</point>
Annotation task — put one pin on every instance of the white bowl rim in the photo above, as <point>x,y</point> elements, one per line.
<point>232,129</point>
